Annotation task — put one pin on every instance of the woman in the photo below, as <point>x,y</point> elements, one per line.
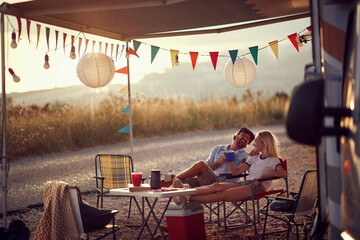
<point>265,164</point>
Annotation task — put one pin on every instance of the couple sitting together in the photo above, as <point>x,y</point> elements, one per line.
<point>263,162</point>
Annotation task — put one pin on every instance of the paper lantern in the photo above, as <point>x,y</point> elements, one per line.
<point>241,73</point>
<point>95,69</point>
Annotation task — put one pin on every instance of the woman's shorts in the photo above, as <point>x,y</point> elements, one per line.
<point>256,190</point>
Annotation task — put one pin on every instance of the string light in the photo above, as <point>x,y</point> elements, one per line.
<point>177,60</point>
<point>13,40</point>
<point>46,64</point>
<point>15,77</point>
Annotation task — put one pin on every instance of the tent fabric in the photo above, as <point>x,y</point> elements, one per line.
<point>125,20</point>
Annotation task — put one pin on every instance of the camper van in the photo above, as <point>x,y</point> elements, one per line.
<point>325,112</point>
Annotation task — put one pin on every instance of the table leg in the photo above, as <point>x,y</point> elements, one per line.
<point>141,212</point>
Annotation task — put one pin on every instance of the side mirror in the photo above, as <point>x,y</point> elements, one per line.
<point>304,117</point>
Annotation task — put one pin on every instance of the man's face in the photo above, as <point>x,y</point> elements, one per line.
<point>242,140</point>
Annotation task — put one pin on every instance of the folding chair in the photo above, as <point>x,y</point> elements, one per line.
<point>90,219</point>
<point>286,209</point>
<point>112,171</point>
<point>255,207</point>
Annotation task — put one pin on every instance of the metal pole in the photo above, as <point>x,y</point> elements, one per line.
<point>3,150</point>
<point>129,98</point>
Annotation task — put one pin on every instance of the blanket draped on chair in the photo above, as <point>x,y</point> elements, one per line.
<point>58,221</point>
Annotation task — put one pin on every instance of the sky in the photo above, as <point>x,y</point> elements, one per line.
<point>27,60</point>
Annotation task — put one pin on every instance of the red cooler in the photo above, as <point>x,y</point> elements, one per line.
<point>185,222</point>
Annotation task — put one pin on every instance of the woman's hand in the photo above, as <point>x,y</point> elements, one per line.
<point>254,152</point>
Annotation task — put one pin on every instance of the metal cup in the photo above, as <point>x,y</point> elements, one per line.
<point>155,179</point>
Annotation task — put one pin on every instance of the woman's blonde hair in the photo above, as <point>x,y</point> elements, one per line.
<point>271,143</point>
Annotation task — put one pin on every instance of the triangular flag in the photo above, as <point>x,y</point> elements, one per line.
<point>28,23</point>
<point>274,47</point>
<point>122,50</point>
<point>86,45</point>
<point>125,129</point>
<point>64,39</point>
<point>47,36</point>
<point>106,46</point>
<point>131,51</point>
<point>214,57</point>
<point>38,27</point>
<point>173,54</point>
<point>80,41</point>
<point>112,49</point>
<point>124,90</point>
<point>193,57</point>
<point>233,55</point>
<point>254,52</point>
<point>100,44</point>
<point>136,45</point>
<point>292,38</point>
<point>94,42</point>
<point>126,110</point>
<point>309,28</point>
<point>154,51</point>
<point>117,51</point>
<point>19,27</point>
<point>122,70</point>
<point>56,38</point>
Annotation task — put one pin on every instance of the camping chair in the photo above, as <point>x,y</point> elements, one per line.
<point>286,209</point>
<point>112,171</point>
<point>90,219</point>
<point>255,207</point>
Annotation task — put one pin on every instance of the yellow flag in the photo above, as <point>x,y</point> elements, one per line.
<point>274,47</point>
<point>124,90</point>
<point>173,54</point>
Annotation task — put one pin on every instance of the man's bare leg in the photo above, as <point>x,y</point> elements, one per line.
<point>196,169</point>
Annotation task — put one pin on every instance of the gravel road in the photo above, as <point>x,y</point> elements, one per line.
<point>169,154</point>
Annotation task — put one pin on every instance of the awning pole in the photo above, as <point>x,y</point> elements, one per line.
<point>129,98</point>
<point>3,150</point>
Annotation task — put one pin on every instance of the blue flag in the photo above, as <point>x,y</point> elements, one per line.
<point>126,110</point>
<point>125,129</point>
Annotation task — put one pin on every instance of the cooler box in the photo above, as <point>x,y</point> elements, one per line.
<point>185,223</point>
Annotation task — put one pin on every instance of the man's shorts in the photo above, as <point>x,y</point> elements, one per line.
<point>209,177</point>
<point>256,190</point>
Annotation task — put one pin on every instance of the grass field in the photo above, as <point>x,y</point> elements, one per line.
<point>34,130</point>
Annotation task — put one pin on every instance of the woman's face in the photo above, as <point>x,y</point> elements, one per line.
<point>258,144</point>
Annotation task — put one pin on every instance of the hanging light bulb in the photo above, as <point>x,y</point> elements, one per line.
<point>13,40</point>
<point>72,53</point>
<point>15,77</point>
<point>177,60</point>
<point>46,64</point>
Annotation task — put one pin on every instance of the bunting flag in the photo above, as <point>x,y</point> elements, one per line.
<point>38,27</point>
<point>80,41</point>
<point>124,90</point>
<point>309,28</point>
<point>233,55</point>
<point>193,57</point>
<point>86,45</point>
<point>64,41</point>
<point>94,42</point>
<point>106,46</point>
<point>274,47</point>
<point>125,129</point>
<point>28,23</point>
<point>117,51</point>
<point>154,51</point>
<point>292,38</point>
<point>122,70</point>
<point>122,50</point>
<point>112,49</point>
<point>136,45</point>
<point>126,110</point>
<point>56,38</point>
<point>100,44</point>
<point>47,37</point>
<point>173,54</point>
<point>19,27</point>
<point>254,52</point>
<point>131,51</point>
<point>214,57</point>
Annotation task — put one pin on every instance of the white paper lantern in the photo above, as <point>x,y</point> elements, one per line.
<point>241,73</point>
<point>95,69</point>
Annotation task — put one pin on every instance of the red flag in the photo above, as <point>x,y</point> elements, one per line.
<point>122,70</point>
<point>214,57</point>
<point>131,51</point>
<point>64,41</point>
<point>193,56</point>
<point>28,22</point>
<point>309,28</point>
<point>19,26</point>
<point>292,38</point>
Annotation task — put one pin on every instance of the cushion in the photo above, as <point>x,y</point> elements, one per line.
<point>96,218</point>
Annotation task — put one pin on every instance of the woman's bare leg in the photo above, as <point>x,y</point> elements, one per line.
<point>232,194</point>
<point>213,188</point>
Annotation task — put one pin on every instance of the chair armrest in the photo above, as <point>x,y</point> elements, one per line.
<point>101,178</point>
<point>230,176</point>
<point>267,179</point>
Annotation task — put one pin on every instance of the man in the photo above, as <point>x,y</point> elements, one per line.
<point>205,173</point>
